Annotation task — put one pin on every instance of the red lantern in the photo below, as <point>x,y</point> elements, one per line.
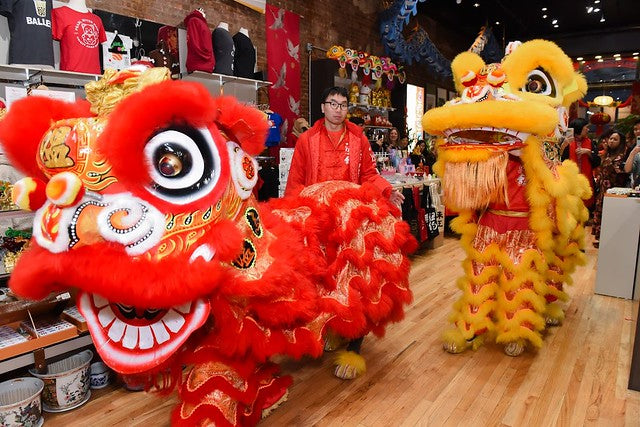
<point>600,119</point>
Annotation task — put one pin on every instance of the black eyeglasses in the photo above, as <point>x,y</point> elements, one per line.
<point>335,105</point>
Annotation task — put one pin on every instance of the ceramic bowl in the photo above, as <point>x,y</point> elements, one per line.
<point>100,375</point>
<point>20,403</point>
<point>66,383</point>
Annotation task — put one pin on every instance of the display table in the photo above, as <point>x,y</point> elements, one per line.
<point>618,254</point>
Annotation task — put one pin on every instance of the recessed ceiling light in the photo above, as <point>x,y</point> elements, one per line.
<point>589,9</point>
<point>596,10</point>
<point>598,56</point>
<point>582,62</point>
<point>635,53</point>
<point>497,22</point>
<point>616,55</point>
<point>579,58</point>
<point>476,4</point>
<point>556,26</point>
<point>596,2</point>
<point>544,9</point>
<point>618,59</point>
<point>600,60</point>
<point>602,19</point>
<point>555,21</point>
<point>544,16</point>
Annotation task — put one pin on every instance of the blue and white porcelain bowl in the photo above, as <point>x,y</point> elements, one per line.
<point>100,375</point>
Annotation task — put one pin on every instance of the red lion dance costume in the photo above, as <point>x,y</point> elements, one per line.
<point>520,209</point>
<point>144,205</point>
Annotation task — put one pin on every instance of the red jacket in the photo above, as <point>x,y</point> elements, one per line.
<point>306,159</point>
<point>199,45</point>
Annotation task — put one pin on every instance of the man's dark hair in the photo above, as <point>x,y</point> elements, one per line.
<point>336,90</point>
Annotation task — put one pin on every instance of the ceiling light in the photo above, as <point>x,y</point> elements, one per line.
<point>556,26</point>
<point>600,60</point>
<point>544,16</point>
<point>596,2</point>
<point>618,59</point>
<point>603,100</point>
<point>555,21</point>
<point>616,55</point>
<point>598,56</point>
<point>589,9</point>
<point>458,1</point>
<point>544,9</point>
<point>476,4</point>
<point>596,10</point>
<point>582,62</point>
<point>602,19</point>
<point>635,53</point>
<point>579,58</point>
<point>497,22</point>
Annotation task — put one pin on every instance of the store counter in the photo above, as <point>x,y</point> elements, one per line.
<point>617,273</point>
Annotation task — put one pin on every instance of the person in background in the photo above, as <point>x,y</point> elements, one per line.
<point>632,165</point>
<point>583,152</point>
<point>300,125</point>
<point>417,155</point>
<point>336,149</point>
<point>390,140</point>
<point>610,174</point>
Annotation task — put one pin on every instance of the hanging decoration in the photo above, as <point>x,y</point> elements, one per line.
<point>418,46</point>
<point>372,66</point>
<point>614,104</point>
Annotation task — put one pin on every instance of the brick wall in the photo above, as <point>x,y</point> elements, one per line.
<point>350,23</point>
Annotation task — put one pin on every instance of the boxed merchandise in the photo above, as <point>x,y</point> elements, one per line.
<point>46,332</point>
<point>72,315</point>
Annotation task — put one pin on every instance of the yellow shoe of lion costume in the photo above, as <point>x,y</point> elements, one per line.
<point>521,211</point>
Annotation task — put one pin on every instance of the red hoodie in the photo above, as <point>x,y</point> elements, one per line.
<point>199,44</point>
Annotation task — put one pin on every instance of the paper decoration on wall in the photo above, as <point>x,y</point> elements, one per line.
<point>418,47</point>
<point>283,59</point>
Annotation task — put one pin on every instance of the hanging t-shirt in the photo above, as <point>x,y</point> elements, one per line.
<point>224,51</point>
<point>244,60</point>
<point>275,121</point>
<point>80,35</point>
<point>30,29</point>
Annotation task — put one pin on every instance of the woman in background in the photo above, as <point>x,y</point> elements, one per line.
<point>611,174</point>
<point>584,153</point>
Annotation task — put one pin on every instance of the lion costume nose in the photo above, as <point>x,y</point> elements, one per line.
<point>65,189</point>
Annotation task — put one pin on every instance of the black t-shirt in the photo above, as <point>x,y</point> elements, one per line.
<point>30,27</point>
<point>244,61</point>
<point>223,50</point>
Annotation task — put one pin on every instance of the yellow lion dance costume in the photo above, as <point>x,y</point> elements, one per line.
<point>521,211</point>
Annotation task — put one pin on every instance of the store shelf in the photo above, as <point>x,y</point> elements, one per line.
<point>371,107</point>
<point>45,76</point>
<point>222,79</point>
<point>49,352</point>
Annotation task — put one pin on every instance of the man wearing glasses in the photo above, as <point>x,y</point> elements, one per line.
<point>335,149</point>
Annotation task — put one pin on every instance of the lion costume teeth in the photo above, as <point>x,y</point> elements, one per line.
<point>520,210</point>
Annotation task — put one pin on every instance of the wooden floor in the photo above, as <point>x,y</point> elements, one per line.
<point>578,378</point>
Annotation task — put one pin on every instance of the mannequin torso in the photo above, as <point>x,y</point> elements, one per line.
<point>224,26</point>
<point>78,6</point>
<point>244,31</point>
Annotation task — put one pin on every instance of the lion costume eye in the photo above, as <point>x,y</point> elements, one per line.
<point>184,164</point>
<point>540,82</point>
